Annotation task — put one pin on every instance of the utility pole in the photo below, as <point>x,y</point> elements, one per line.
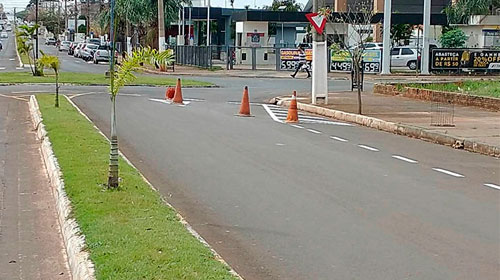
<point>161,26</point>
<point>88,18</point>
<point>427,26</point>
<point>65,18</point>
<point>76,20</point>
<point>208,24</point>
<point>36,34</point>
<point>386,56</point>
<point>319,63</point>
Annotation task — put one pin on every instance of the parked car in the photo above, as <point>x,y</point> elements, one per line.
<point>95,41</point>
<point>50,41</point>
<point>372,46</point>
<point>101,54</point>
<point>405,57</point>
<point>4,35</point>
<point>87,53</point>
<point>64,46</point>
<point>78,50</point>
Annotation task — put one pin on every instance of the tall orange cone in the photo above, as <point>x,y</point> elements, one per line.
<point>293,115</point>
<point>245,104</point>
<point>169,94</point>
<point>178,93</point>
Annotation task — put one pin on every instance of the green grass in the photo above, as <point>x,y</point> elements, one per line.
<point>482,88</point>
<point>24,58</point>
<point>130,233</point>
<point>93,79</point>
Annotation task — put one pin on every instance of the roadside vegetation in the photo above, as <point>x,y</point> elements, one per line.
<point>93,79</point>
<point>130,233</point>
<point>482,88</point>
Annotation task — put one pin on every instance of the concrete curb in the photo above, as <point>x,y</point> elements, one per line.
<point>17,53</point>
<point>179,216</point>
<point>101,85</point>
<point>400,129</point>
<point>79,262</point>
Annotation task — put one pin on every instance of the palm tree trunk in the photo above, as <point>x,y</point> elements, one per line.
<point>113,155</point>
<point>57,88</point>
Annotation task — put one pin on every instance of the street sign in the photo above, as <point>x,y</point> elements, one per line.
<point>456,59</point>
<point>340,61</point>
<point>289,58</point>
<point>318,21</point>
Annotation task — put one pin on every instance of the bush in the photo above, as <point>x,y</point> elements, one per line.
<point>453,38</point>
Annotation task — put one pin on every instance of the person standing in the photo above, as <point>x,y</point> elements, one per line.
<point>302,63</point>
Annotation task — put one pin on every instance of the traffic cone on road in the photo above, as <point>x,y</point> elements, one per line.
<point>293,115</point>
<point>178,93</point>
<point>169,94</point>
<point>245,104</point>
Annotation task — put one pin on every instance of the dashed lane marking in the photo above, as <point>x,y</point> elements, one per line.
<point>297,126</point>
<point>448,172</point>
<point>368,148</point>
<point>409,160</point>
<point>279,114</point>
<point>169,102</point>
<point>12,59</point>
<point>314,131</point>
<point>339,139</point>
<point>19,68</point>
<point>489,185</point>
<point>29,91</point>
<point>2,68</point>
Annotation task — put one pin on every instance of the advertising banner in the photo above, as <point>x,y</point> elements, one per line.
<point>475,59</point>
<point>289,58</point>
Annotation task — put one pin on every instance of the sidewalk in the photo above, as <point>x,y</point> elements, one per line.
<point>470,123</point>
<point>181,70</point>
<point>30,241</point>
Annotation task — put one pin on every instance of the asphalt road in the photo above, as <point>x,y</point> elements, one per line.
<point>285,202</point>
<point>8,57</point>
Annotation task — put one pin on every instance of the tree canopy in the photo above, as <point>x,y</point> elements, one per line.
<point>290,6</point>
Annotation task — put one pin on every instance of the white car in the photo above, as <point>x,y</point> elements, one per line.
<point>4,35</point>
<point>87,53</point>
<point>405,57</point>
<point>64,46</point>
<point>374,46</point>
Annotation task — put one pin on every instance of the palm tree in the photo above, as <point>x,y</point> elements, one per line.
<point>52,62</point>
<point>24,35</point>
<point>123,76</point>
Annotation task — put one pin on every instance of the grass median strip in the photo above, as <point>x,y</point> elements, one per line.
<point>94,79</point>
<point>481,88</point>
<point>130,233</point>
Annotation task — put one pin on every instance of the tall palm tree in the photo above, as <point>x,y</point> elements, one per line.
<point>25,34</point>
<point>123,76</point>
<point>52,62</point>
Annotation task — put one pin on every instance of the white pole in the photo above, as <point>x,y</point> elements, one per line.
<point>427,26</point>
<point>161,26</point>
<point>189,27</point>
<point>183,26</point>
<point>208,23</point>
<point>386,57</point>
<point>319,63</point>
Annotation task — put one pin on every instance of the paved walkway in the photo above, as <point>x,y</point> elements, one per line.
<point>30,240</point>
<point>470,123</point>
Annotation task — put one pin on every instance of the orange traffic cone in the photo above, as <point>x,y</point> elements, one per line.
<point>293,115</point>
<point>178,93</point>
<point>169,94</point>
<point>245,104</point>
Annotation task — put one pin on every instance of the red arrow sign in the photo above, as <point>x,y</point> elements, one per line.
<point>318,21</point>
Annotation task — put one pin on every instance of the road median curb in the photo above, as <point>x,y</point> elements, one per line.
<point>74,241</point>
<point>398,128</point>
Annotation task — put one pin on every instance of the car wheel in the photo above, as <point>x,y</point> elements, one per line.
<point>412,65</point>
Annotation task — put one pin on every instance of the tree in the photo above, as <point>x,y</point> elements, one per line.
<point>460,11</point>
<point>453,38</point>
<point>358,16</point>
<point>24,37</point>
<point>123,76</point>
<point>290,6</point>
<point>401,32</point>
<point>52,62</point>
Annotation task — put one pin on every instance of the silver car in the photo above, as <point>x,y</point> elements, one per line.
<point>64,46</point>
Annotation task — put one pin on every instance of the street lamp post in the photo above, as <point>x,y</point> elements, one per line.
<point>36,34</point>
<point>386,56</point>
<point>282,8</point>
<point>161,26</point>
<point>427,26</point>
<point>208,24</point>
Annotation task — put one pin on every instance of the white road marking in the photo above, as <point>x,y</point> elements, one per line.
<point>14,97</point>
<point>194,99</point>
<point>368,148</point>
<point>169,102</point>
<point>273,116</point>
<point>77,61</point>
<point>297,126</point>
<point>492,186</point>
<point>405,159</point>
<point>81,94</point>
<point>130,94</point>
<point>339,139</point>
<point>314,131</point>
<point>2,68</point>
<point>280,144</point>
<point>19,68</point>
<point>447,172</point>
<point>281,113</point>
<point>12,59</point>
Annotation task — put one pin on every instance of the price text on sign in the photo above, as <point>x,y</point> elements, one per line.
<point>341,61</point>
<point>289,58</point>
<point>453,59</point>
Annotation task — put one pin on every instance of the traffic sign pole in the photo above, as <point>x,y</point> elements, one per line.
<point>319,59</point>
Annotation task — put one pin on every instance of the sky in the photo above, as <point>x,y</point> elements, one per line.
<point>10,4</point>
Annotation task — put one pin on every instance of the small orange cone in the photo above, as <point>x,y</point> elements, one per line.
<point>293,115</point>
<point>178,93</point>
<point>245,104</point>
<point>169,94</point>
